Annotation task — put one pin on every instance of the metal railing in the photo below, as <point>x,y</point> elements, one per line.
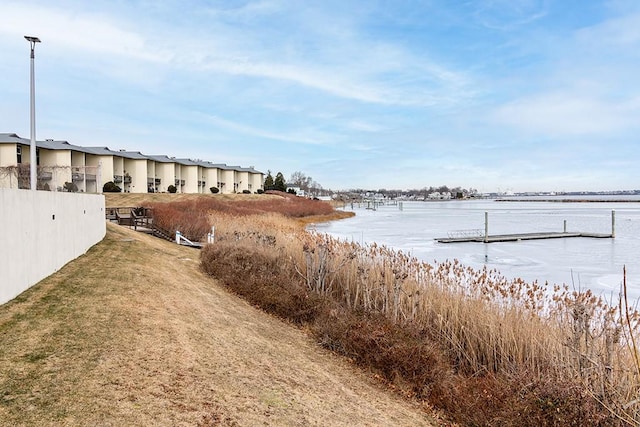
<point>458,234</point>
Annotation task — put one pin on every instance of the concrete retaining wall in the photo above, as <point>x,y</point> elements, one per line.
<point>41,231</point>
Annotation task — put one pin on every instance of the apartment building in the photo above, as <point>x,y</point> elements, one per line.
<point>66,167</point>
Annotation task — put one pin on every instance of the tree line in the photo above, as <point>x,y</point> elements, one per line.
<point>298,179</point>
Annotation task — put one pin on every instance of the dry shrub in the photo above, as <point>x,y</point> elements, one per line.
<point>178,216</point>
<point>403,355</point>
<point>523,400</point>
<point>296,207</point>
<point>259,275</point>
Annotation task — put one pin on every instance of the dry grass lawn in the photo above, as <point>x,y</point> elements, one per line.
<point>132,333</point>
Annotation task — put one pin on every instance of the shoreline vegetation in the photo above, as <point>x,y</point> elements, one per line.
<point>141,332</point>
<point>483,349</point>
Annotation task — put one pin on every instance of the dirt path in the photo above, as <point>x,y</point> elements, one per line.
<point>133,333</point>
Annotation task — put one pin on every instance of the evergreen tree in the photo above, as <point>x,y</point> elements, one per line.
<point>268,181</point>
<point>279,183</point>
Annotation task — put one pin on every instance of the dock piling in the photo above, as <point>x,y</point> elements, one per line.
<point>486,227</point>
<point>613,223</point>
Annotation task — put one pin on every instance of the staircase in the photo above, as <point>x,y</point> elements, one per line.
<point>141,219</point>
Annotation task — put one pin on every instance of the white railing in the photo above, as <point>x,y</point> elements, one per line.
<point>181,240</point>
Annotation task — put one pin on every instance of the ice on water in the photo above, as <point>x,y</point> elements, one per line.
<point>580,262</point>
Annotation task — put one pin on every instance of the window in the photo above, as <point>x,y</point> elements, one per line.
<point>19,153</point>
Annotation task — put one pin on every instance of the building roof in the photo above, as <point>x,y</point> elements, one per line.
<point>250,169</point>
<point>101,151</point>
<point>12,138</point>
<point>205,164</point>
<point>218,165</point>
<point>187,162</point>
<point>50,144</point>
<point>161,158</point>
<point>135,155</point>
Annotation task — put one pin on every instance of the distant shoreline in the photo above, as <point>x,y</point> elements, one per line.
<point>571,200</point>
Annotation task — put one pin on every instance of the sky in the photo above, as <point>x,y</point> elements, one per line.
<point>495,95</point>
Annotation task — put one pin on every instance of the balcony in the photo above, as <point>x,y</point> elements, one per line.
<point>117,179</point>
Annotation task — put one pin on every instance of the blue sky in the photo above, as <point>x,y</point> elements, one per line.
<point>497,95</point>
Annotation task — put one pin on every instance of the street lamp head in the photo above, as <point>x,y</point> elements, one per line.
<point>32,39</point>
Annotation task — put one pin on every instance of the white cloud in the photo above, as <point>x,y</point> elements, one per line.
<point>506,15</point>
<point>558,114</point>
<point>302,136</point>
<point>364,126</point>
<point>245,12</point>
<point>622,32</point>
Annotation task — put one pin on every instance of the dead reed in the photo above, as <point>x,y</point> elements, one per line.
<point>487,323</point>
<point>486,349</point>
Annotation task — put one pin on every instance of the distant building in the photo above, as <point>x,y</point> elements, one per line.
<point>440,196</point>
<point>299,192</point>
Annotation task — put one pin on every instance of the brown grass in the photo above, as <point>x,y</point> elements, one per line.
<point>132,333</point>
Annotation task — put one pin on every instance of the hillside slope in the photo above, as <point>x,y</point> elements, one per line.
<point>132,333</point>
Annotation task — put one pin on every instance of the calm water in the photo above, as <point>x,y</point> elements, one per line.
<point>579,262</point>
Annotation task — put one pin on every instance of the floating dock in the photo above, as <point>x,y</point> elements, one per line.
<point>463,236</point>
<point>522,236</point>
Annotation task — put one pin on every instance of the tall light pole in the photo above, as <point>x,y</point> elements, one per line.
<point>32,150</point>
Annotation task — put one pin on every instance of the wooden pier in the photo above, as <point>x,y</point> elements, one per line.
<point>463,236</point>
<point>521,236</point>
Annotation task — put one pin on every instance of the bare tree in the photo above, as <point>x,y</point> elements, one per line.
<point>302,181</point>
